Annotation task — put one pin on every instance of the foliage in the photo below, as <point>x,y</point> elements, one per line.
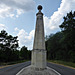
<point>68,29</point>
<point>61,46</point>
<point>8,49</point>
<point>53,45</point>
<point>8,41</point>
<point>24,53</point>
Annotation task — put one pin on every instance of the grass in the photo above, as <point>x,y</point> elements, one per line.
<point>69,64</point>
<point>10,63</point>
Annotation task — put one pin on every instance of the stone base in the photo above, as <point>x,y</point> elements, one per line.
<point>29,71</point>
<point>38,59</point>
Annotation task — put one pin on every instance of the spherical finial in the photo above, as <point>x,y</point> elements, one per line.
<point>39,7</point>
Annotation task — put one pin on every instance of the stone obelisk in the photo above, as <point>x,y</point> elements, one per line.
<point>39,53</point>
<point>38,61</point>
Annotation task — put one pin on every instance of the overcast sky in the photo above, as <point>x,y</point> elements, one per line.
<point>18,17</point>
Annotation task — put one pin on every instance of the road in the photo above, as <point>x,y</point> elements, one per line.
<point>61,69</point>
<point>14,69</point>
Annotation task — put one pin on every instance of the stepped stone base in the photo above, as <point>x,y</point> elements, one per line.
<point>29,71</point>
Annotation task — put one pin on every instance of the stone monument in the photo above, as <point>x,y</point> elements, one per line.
<point>39,53</point>
<point>38,62</point>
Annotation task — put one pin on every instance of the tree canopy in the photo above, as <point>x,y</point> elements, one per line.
<point>9,48</point>
<point>61,46</point>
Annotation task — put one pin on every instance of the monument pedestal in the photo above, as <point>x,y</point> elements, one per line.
<point>29,71</point>
<point>38,59</point>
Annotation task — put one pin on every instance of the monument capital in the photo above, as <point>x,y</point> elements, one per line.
<point>40,7</point>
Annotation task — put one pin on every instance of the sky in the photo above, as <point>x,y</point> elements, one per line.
<point>18,17</point>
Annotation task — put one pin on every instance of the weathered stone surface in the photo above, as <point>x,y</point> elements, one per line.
<point>39,59</point>
<point>39,52</point>
<point>39,40</point>
<point>29,71</point>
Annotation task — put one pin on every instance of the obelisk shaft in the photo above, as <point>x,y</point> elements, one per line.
<point>39,41</point>
<point>39,52</point>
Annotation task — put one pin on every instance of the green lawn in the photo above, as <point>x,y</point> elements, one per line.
<point>69,64</point>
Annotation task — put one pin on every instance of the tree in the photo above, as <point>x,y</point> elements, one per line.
<point>8,44</point>
<point>25,54</point>
<point>68,29</point>
<point>61,46</point>
<point>8,41</point>
<point>53,45</point>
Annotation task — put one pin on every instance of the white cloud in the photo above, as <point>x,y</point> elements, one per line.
<point>19,12</point>
<point>2,26</point>
<point>8,7</point>
<point>25,38</point>
<point>52,23</point>
<point>16,29</point>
